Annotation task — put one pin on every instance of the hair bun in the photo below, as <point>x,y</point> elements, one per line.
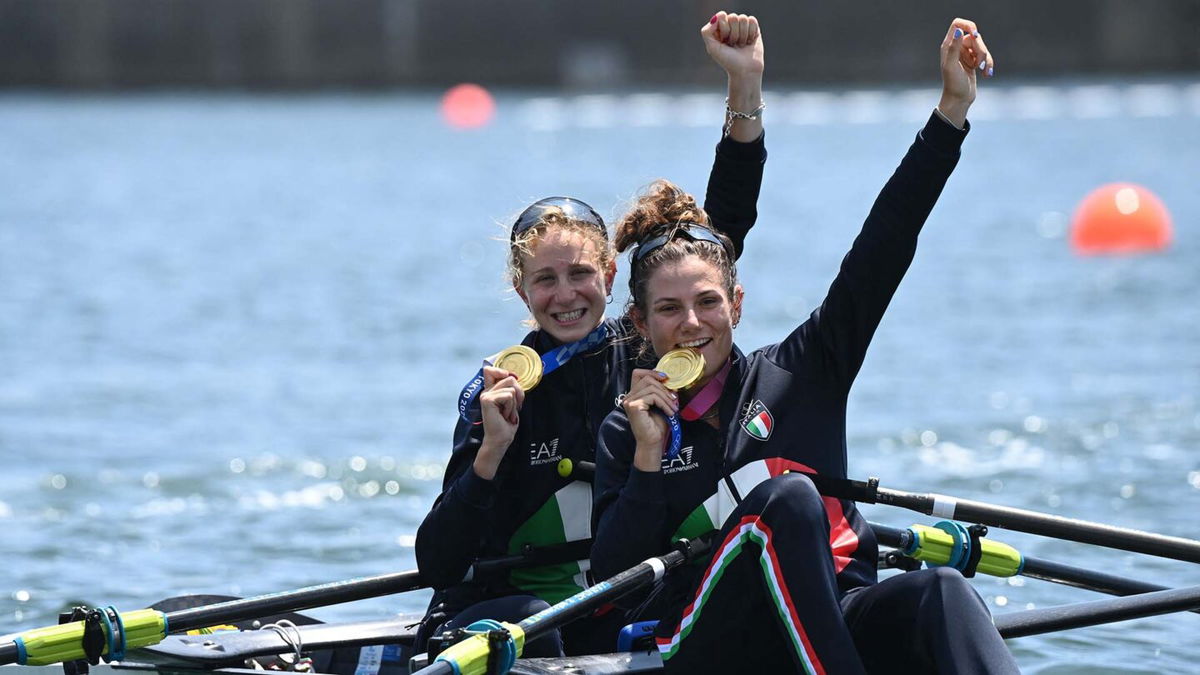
<point>660,205</point>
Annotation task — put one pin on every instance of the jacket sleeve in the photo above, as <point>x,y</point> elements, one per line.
<point>731,201</point>
<point>838,332</point>
<point>453,532</point>
<point>630,508</point>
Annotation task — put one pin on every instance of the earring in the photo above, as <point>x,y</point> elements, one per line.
<point>609,301</point>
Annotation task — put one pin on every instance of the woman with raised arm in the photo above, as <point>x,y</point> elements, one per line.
<point>502,493</point>
<point>798,570</point>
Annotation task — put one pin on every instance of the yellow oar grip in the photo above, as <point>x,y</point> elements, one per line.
<point>939,547</point>
<point>471,655</point>
<point>55,644</point>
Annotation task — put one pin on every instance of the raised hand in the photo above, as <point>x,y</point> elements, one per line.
<point>500,405</point>
<point>964,56</point>
<point>646,393</point>
<point>734,42</point>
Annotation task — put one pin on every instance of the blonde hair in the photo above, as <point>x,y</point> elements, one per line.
<point>525,243</point>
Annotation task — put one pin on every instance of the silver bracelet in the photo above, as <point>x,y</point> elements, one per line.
<point>731,115</point>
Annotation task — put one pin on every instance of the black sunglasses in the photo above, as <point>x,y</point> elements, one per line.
<point>691,231</point>
<point>569,207</point>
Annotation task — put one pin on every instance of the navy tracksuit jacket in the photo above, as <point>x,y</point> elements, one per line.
<point>788,561</point>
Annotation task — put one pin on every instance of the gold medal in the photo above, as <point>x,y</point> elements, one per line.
<point>682,366</point>
<point>522,362</point>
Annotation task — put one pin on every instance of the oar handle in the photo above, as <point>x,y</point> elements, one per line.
<point>577,469</point>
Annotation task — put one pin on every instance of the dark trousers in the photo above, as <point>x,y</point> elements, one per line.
<point>769,602</point>
<point>593,634</point>
<point>512,609</point>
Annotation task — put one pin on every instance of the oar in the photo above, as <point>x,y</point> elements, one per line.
<point>114,632</point>
<point>505,641</point>
<point>1079,615</point>
<point>1071,529</point>
<point>110,633</point>
<point>943,506</point>
<point>936,546</point>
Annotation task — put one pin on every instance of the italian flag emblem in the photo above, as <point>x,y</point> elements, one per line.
<point>758,421</point>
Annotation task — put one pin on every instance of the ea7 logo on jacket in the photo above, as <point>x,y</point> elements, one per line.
<point>681,462</point>
<point>544,453</point>
<point>757,420</point>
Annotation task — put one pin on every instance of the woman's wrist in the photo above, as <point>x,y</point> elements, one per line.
<point>487,460</point>
<point>745,92</point>
<point>954,110</point>
<point>648,457</point>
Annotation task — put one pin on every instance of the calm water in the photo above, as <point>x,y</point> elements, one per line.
<point>233,326</point>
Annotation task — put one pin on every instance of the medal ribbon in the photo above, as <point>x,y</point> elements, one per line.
<point>468,400</point>
<point>704,399</point>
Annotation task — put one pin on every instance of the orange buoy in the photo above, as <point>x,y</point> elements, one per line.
<point>467,106</point>
<point>1120,218</point>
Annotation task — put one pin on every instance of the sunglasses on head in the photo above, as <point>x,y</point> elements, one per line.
<point>691,231</point>
<point>568,207</point>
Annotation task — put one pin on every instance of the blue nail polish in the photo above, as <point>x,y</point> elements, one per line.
<point>957,33</point>
<point>989,72</point>
<point>975,33</point>
<point>982,65</point>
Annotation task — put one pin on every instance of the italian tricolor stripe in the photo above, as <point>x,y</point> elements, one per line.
<point>750,529</point>
<point>759,425</point>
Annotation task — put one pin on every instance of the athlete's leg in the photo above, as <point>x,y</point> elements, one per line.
<point>512,609</point>
<point>771,586</point>
<point>595,633</point>
<point>928,621</point>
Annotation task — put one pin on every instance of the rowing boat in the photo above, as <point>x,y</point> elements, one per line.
<point>178,636</point>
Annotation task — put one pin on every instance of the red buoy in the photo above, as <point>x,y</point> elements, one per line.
<point>1120,218</point>
<point>467,106</point>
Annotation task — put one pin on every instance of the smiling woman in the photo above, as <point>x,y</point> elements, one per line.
<point>502,493</point>
<point>753,422</point>
<point>564,272</point>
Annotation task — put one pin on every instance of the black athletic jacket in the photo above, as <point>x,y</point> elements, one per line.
<point>528,503</point>
<point>783,406</point>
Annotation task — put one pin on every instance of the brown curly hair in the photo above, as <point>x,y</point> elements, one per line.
<point>664,208</point>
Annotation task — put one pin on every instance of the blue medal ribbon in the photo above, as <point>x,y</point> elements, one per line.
<point>468,400</point>
<point>676,439</point>
<point>700,403</point>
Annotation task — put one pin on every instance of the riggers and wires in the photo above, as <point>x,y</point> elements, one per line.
<point>108,634</point>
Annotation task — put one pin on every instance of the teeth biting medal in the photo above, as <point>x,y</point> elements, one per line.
<point>683,367</point>
<point>523,362</point>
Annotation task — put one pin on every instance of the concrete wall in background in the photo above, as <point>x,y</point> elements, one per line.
<point>612,43</point>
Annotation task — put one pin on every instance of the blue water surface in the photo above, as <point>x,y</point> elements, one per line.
<point>232,327</point>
